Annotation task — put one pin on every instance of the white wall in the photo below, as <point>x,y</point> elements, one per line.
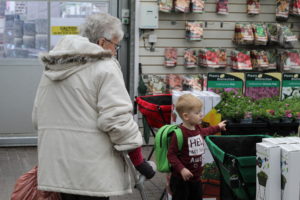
<point>171,33</point>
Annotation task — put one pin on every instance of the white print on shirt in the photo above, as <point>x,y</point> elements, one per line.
<point>196,145</point>
<point>196,159</point>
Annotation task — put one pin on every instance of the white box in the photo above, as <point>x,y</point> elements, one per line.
<point>290,173</point>
<point>148,15</point>
<point>291,140</point>
<point>268,172</point>
<point>295,139</point>
<point>276,141</point>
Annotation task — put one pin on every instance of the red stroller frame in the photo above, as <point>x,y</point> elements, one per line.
<point>156,109</point>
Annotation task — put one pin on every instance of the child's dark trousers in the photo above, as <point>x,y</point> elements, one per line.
<point>185,190</point>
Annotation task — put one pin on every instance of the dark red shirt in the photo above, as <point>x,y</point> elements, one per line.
<point>190,156</point>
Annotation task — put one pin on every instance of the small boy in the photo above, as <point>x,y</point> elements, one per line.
<point>186,163</point>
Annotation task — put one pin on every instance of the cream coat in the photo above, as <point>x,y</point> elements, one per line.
<point>82,112</point>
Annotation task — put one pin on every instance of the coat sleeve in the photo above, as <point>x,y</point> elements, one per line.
<point>210,130</point>
<point>115,110</point>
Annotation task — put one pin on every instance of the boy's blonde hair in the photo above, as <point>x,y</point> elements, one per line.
<point>186,103</point>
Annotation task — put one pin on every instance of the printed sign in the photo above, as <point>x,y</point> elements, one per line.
<point>262,85</point>
<point>64,30</point>
<point>290,85</point>
<point>225,82</point>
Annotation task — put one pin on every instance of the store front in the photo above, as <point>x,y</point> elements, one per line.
<point>28,28</point>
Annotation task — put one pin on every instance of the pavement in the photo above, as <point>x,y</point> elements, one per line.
<point>14,161</point>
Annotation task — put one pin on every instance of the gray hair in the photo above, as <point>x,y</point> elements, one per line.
<point>101,26</point>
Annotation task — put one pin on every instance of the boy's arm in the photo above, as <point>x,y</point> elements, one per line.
<point>172,154</point>
<point>210,130</point>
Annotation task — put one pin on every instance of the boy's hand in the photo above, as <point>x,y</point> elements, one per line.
<point>186,174</point>
<point>222,125</point>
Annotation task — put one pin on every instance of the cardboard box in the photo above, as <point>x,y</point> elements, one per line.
<point>268,172</point>
<point>281,140</point>
<point>276,141</point>
<point>290,173</point>
<point>295,139</point>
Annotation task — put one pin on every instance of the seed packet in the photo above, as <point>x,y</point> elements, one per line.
<point>182,5</point>
<point>259,60</point>
<point>190,58</point>
<point>165,5</point>
<point>170,57</point>
<point>290,85</point>
<point>282,10</point>
<point>272,58</point>
<point>198,6</point>
<point>225,82</point>
<point>156,84</point>
<point>289,59</point>
<point>212,57</point>
<point>273,33</point>
<point>287,39</point>
<point>192,82</point>
<point>295,7</point>
<point>263,85</point>
<point>222,7</point>
<point>260,34</point>
<point>253,7</point>
<point>194,30</point>
<point>174,82</point>
<point>243,34</point>
<point>241,60</point>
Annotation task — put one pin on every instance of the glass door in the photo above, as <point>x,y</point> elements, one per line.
<point>28,28</point>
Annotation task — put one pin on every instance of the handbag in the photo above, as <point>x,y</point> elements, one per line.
<point>26,188</point>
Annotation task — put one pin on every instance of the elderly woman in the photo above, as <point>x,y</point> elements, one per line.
<point>82,113</point>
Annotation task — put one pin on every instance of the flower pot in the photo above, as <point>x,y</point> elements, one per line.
<point>274,121</point>
<point>246,121</point>
<point>286,120</point>
<point>211,188</point>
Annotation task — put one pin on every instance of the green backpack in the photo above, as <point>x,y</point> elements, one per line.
<point>161,145</point>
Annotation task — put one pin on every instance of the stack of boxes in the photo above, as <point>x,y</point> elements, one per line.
<point>277,169</point>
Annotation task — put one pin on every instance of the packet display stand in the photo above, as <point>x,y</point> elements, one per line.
<point>268,184</point>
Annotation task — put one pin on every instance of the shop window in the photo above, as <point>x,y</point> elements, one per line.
<point>23,29</point>
<point>67,16</point>
<point>24,25</point>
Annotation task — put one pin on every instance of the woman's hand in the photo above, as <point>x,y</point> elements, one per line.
<point>186,174</point>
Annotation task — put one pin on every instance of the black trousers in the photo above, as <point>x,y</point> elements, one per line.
<point>185,190</point>
<point>65,196</point>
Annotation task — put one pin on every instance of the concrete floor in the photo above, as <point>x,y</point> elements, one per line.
<point>14,161</point>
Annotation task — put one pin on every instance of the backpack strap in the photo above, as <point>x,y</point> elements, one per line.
<point>179,136</point>
<point>170,129</point>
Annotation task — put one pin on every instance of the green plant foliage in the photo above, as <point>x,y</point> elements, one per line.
<point>235,106</point>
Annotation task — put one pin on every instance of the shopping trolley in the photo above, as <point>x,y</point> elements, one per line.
<point>235,156</point>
